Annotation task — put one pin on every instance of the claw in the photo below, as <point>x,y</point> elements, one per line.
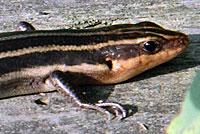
<point>100,109</point>
<point>116,108</point>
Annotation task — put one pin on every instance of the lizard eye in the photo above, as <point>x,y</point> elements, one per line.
<point>151,46</point>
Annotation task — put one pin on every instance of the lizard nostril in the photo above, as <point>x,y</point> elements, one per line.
<point>183,40</point>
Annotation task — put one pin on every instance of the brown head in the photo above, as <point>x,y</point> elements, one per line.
<point>144,46</point>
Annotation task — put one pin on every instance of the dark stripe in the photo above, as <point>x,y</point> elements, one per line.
<point>28,42</point>
<point>148,24</point>
<point>18,40</point>
<point>43,59</point>
<point>68,58</point>
<point>160,31</point>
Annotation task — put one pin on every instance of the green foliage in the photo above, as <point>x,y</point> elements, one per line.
<point>188,121</point>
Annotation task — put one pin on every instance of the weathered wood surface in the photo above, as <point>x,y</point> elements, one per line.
<point>155,95</point>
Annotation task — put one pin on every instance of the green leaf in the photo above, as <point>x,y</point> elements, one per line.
<point>188,121</point>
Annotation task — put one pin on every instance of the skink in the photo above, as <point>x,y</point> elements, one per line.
<point>34,61</point>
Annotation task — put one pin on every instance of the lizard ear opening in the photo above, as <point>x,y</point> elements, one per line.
<point>109,64</point>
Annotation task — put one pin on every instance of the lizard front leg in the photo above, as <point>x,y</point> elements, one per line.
<point>59,80</point>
